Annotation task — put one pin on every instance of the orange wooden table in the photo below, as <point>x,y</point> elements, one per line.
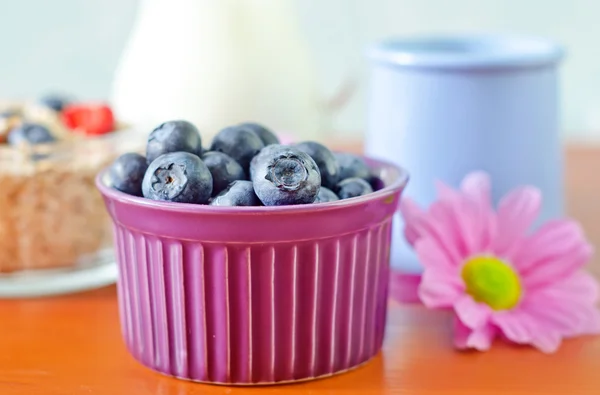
<point>72,345</point>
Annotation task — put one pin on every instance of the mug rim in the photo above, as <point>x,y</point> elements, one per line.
<point>467,51</point>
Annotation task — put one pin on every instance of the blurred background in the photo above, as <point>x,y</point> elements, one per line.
<point>75,46</point>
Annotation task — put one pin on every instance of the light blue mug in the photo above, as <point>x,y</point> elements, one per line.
<point>447,105</point>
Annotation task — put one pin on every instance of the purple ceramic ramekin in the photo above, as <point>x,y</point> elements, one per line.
<point>254,295</point>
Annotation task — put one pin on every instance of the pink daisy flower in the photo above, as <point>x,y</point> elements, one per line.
<point>498,277</point>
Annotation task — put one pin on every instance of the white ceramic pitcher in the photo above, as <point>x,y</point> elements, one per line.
<point>218,62</point>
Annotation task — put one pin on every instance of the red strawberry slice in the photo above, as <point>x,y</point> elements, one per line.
<point>89,119</point>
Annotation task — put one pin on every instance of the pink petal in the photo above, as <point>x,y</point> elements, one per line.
<point>439,290</point>
<point>567,306</point>
<point>447,231</point>
<point>558,267</point>
<point>547,342</point>
<point>445,192</point>
<point>464,218</point>
<point>557,249</point>
<point>551,316</point>
<point>581,287</point>
<point>461,334</point>
<point>477,187</point>
<point>576,321</point>
<point>427,225</point>
<point>516,213</point>
<point>515,325</point>
<point>411,214</point>
<point>432,256</point>
<point>473,314</point>
<point>479,339</point>
<point>456,214</point>
<point>547,315</point>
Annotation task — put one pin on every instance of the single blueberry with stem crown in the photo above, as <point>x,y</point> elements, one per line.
<point>284,175</point>
<point>224,170</point>
<point>353,187</point>
<point>173,136</point>
<point>325,160</point>
<point>178,177</point>
<point>127,173</point>
<point>264,151</point>
<point>238,193</point>
<point>239,142</point>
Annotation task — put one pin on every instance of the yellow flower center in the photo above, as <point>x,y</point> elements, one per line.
<point>491,281</point>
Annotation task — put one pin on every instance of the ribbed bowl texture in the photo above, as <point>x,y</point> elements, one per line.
<point>254,295</point>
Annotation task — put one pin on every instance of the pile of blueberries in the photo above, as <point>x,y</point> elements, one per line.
<point>245,166</point>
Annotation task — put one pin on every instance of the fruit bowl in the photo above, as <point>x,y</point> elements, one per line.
<point>254,295</point>
<point>54,233</point>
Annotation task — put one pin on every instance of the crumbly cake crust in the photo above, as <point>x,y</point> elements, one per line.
<point>50,211</point>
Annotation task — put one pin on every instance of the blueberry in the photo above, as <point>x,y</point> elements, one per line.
<point>178,177</point>
<point>127,173</point>
<point>263,133</point>
<point>173,136</point>
<point>326,195</point>
<point>224,170</point>
<point>352,166</point>
<point>376,182</point>
<point>353,187</point>
<point>325,160</point>
<point>265,152</point>
<point>54,102</point>
<point>238,193</point>
<point>29,133</point>
<point>284,175</point>
<point>239,142</point>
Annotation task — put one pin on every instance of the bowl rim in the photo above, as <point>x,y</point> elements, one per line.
<point>190,208</point>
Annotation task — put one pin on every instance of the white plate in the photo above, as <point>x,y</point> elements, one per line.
<point>93,272</point>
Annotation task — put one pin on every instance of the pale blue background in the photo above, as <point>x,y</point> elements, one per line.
<point>74,45</point>
<point>71,45</point>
